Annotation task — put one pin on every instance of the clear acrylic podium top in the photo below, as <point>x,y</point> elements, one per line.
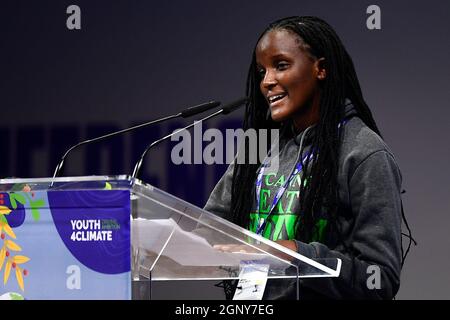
<point>173,240</point>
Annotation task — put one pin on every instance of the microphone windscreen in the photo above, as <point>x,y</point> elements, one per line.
<point>234,105</point>
<point>199,108</point>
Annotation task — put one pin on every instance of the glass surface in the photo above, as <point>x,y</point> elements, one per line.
<point>174,242</point>
<point>177,240</point>
<point>66,183</point>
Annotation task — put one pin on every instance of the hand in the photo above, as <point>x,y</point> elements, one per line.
<point>241,248</point>
<point>290,244</point>
<point>236,248</point>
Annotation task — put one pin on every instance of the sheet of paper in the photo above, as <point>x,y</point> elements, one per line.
<point>186,248</point>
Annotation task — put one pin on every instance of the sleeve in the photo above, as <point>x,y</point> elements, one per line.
<point>219,201</point>
<point>375,238</point>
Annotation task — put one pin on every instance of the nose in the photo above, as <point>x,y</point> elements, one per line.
<point>269,80</point>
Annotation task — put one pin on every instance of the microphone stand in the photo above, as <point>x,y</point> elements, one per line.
<point>184,114</point>
<point>61,162</point>
<point>225,110</point>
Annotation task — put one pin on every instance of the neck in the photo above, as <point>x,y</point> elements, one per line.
<point>306,119</point>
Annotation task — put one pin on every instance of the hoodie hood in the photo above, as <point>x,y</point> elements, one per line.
<point>349,112</point>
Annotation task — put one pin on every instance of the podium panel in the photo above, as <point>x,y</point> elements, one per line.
<point>65,241</point>
<point>106,237</point>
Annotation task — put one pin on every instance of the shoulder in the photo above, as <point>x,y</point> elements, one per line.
<point>360,143</point>
<point>358,139</point>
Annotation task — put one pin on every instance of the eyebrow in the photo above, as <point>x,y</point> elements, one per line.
<point>275,57</point>
<point>280,55</point>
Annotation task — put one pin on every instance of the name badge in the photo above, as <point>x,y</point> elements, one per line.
<point>252,281</point>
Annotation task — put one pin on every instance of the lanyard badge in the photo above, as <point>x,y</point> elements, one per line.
<point>298,168</point>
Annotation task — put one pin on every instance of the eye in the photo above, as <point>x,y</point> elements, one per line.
<point>261,72</point>
<point>282,65</point>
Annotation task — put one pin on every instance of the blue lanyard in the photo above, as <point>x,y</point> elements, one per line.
<point>280,192</point>
<point>282,189</point>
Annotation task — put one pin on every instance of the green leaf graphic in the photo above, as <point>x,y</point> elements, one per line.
<point>19,198</point>
<point>15,296</point>
<point>13,201</point>
<point>37,203</point>
<point>18,187</point>
<point>35,214</point>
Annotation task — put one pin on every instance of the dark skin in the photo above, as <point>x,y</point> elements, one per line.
<point>240,248</point>
<point>290,79</point>
<point>288,70</point>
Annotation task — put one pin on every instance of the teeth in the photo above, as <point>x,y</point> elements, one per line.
<point>273,98</point>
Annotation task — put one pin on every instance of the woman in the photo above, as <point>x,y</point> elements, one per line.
<point>338,184</point>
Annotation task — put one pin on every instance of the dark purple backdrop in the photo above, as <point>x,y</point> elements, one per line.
<point>133,61</point>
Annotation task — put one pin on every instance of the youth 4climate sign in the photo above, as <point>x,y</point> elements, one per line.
<point>65,244</point>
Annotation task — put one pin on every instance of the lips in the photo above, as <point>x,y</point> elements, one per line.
<point>273,99</point>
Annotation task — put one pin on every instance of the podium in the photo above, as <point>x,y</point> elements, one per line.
<point>113,237</point>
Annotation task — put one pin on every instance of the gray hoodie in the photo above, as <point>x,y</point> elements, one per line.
<point>369,216</point>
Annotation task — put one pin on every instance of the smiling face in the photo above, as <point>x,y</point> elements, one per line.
<point>289,78</point>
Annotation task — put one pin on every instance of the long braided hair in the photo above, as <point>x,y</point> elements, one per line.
<point>321,191</point>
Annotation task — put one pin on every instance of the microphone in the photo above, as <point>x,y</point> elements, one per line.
<point>232,106</point>
<point>191,111</point>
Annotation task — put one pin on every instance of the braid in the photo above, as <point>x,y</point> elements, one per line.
<point>320,189</point>
<point>244,175</point>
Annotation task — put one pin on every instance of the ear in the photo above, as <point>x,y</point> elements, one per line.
<point>319,66</point>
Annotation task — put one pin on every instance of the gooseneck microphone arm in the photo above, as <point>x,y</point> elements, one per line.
<point>184,114</point>
<point>225,110</point>
<point>137,167</point>
<point>61,162</point>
